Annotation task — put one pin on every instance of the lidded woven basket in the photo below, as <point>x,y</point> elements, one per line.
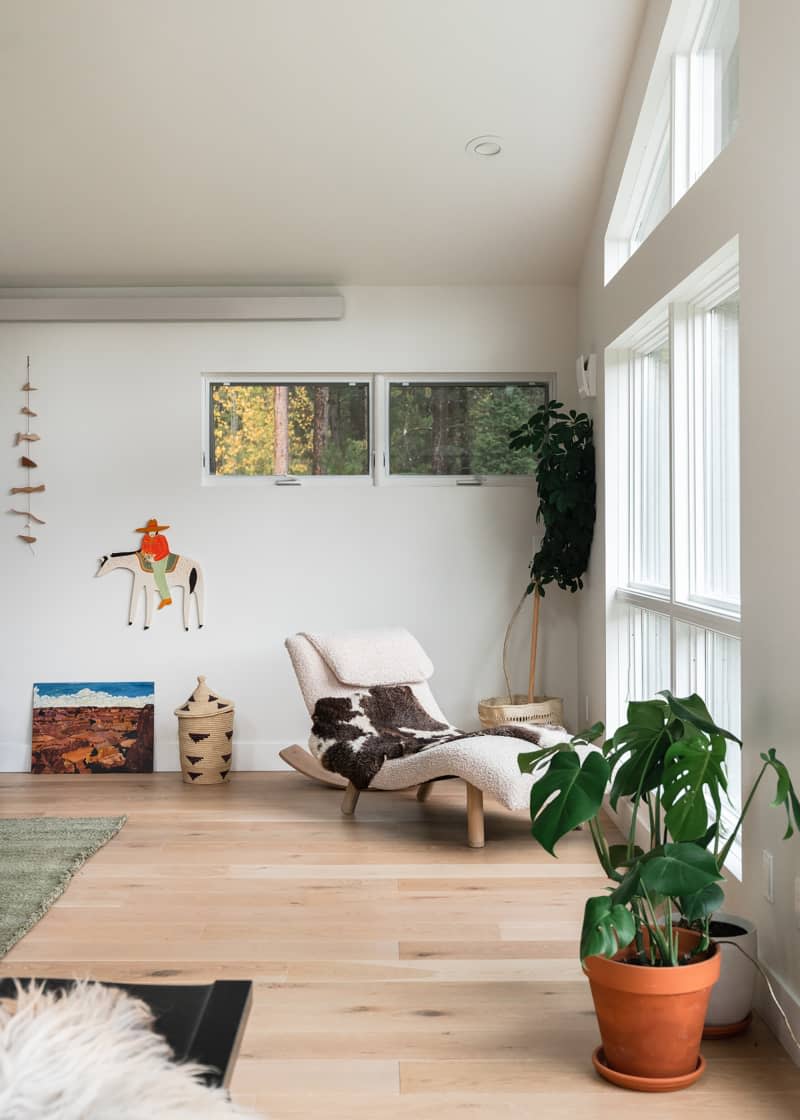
<point>205,736</point>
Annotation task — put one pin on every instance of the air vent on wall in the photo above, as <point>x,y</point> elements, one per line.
<point>145,305</point>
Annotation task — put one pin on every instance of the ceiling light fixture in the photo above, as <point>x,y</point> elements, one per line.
<point>484,146</point>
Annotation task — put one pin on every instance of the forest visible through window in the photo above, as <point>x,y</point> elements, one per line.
<point>440,429</point>
<point>315,428</point>
<point>289,429</point>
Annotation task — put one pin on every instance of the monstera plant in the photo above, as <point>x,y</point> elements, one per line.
<point>669,758</point>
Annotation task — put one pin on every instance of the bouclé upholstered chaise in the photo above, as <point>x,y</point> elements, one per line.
<point>376,725</point>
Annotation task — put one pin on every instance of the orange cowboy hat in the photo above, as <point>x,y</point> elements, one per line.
<point>152,526</point>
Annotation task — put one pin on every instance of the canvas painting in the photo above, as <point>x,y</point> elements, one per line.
<point>91,727</point>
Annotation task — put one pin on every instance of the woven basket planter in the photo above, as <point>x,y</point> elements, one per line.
<point>205,737</point>
<point>542,710</point>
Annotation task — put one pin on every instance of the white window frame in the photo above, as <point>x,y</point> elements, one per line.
<point>681,107</point>
<point>379,385</point>
<point>683,313</point>
<point>288,480</point>
<point>383,384</point>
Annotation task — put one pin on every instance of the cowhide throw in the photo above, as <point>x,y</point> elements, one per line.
<point>354,735</point>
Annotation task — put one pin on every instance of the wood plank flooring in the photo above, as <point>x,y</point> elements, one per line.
<point>398,973</point>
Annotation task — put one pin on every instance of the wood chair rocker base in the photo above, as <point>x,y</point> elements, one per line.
<point>304,762</point>
<point>476,835</point>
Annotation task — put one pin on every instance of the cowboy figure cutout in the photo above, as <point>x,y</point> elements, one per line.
<point>150,565</point>
<point>155,554</point>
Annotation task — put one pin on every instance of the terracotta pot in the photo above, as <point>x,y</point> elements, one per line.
<point>651,1019</point>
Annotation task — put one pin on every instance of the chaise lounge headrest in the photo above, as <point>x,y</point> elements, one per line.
<point>363,658</point>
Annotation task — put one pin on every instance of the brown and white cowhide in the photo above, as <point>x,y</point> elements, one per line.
<point>354,735</point>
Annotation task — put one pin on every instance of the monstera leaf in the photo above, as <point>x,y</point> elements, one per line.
<point>529,761</point>
<point>607,928</point>
<point>785,794</point>
<point>693,767</point>
<point>636,752</point>
<point>678,870</point>
<point>695,907</point>
<point>691,709</point>
<point>578,789</point>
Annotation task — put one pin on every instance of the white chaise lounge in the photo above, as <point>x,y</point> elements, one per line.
<point>341,666</point>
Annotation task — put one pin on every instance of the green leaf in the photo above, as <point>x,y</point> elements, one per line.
<point>691,709</point>
<point>607,928</point>
<point>677,870</point>
<point>636,751</point>
<point>647,714</point>
<point>529,760</point>
<point>590,734</point>
<point>693,768</point>
<point>785,793</point>
<point>699,905</point>
<point>578,789</point>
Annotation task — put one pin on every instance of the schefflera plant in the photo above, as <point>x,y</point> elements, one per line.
<point>670,757</point>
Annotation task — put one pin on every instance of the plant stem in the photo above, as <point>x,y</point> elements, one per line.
<point>601,847</point>
<point>723,855</point>
<point>664,951</point>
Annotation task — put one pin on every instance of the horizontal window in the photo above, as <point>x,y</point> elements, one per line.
<point>459,428</point>
<point>367,429</point>
<point>289,429</point>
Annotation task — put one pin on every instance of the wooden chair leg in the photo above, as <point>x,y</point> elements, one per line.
<point>424,791</point>
<point>475,830</point>
<point>350,799</point>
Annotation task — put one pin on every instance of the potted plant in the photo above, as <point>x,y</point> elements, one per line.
<point>669,758</point>
<point>562,443</point>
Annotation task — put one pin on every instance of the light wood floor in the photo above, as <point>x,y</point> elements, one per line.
<point>398,973</point>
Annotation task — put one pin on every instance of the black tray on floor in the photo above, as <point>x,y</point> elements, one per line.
<point>201,1022</point>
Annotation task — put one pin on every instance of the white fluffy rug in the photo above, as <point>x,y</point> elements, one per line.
<point>91,1055</point>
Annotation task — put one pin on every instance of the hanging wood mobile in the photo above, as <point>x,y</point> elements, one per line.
<point>28,437</point>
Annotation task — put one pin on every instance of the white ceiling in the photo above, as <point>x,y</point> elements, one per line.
<point>304,141</point>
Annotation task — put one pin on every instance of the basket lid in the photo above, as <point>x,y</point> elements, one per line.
<point>203,702</point>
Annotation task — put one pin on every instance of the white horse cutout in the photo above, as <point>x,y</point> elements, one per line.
<point>187,574</point>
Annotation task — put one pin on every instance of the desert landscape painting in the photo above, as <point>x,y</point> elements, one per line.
<point>91,727</point>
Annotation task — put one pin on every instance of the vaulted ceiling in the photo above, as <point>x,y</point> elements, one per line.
<point>304,141</point>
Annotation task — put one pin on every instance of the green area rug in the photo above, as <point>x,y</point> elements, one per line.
<point>38,857</point>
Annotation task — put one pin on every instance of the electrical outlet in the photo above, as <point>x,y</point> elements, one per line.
<point>766,876</point>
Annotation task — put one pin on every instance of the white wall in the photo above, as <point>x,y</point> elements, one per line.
<point>751,190</point>
<point>121,436</point>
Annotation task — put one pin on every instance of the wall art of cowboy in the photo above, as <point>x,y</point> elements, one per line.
<point>156,570</point>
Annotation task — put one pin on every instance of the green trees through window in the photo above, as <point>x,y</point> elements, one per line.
<point>464,429</point>
<point>277,428</point>
<point>289,429</point>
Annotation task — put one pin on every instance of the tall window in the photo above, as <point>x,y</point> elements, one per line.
<point>689,114</point>
<point>676,609</point>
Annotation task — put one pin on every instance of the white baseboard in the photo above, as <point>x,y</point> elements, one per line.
<point>15,758</point>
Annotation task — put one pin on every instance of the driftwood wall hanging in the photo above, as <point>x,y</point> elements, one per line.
<point>25,439</point>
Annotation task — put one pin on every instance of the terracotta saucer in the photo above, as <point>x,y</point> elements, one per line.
<point>646,1084</point>
<point>728,1030</point>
